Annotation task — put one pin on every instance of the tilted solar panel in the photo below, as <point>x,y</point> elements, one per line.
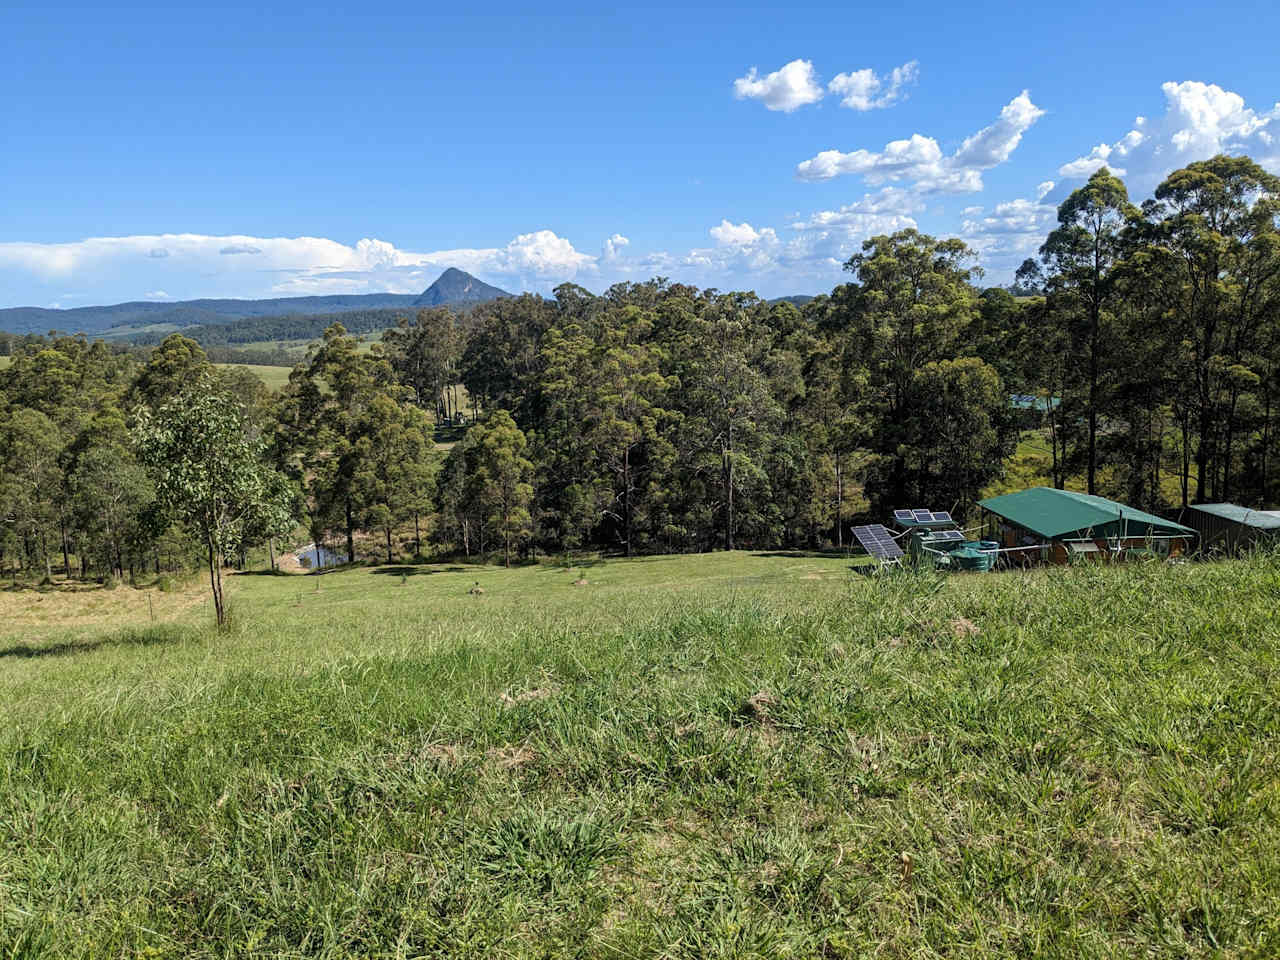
<point>947,535</point>
<point>878,542</point>
<point>942,516</point>
<point>903,515</point>
<point>923,516</point>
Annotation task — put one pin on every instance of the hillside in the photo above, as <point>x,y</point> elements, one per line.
<point>455,287</point>
<point>452,287</point>
<point>705,756</point>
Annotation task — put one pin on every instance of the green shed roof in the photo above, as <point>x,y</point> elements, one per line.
<point>1261,519</point>
<point>1055,513</point>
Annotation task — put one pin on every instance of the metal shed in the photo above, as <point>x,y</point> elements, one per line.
<point>1228,527</point>
<point>1054,525</point>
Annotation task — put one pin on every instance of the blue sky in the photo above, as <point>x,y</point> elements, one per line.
<point>168,152</point>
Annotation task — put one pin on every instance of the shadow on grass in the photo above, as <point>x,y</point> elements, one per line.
<point>153,636</point>
<point>405,570</point>
<point>806,554</point>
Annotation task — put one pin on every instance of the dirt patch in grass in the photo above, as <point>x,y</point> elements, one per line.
<point>511,757</point>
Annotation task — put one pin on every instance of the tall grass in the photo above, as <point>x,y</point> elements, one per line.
<point>675,761</point>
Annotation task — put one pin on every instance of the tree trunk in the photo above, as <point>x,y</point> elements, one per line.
<point>271,553</point>
<point>839,504</point>
<point>351,534</point>
<point>215,585</point>
<point>389,558</point>
<point>626,497</point>
<point>728,479</point>
<point>417,536</point>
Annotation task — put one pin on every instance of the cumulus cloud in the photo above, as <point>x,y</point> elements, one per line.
<point>919,160</point>
<point>613,247</point>
<point>740,234</point>
<point>155,295</point>
<point>1011,232</point>
<point>199,265</point>
<point>883,212</point>
<point>1200,121</point>
<point>865,90</point>
<point>788,88</point>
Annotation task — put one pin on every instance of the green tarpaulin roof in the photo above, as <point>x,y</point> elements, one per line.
<point>1261,519</point>
<point>1055,513</point>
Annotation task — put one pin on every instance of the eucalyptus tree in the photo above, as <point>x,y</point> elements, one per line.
<point>1081,256</point>
<point>912,306</point>
<point>396,466</point>
<point>31,488</point>
<point>605,404</point>
<point>210,476</point>
<point>328,419</point>
<point>728,413</point>
<point>425,355</point>
<point>498,484</point>
<point>1218,220</point>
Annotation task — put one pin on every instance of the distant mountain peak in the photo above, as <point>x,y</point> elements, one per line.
<point>456,286</point>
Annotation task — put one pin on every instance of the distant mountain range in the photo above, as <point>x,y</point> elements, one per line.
<point>453,287</point>
<point>228,322</point>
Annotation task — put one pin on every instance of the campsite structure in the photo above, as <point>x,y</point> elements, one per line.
<point>1229,528</point>
<point>1044,524</point>
<point>934,538</point>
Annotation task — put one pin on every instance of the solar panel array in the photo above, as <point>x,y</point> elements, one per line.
<point>921,518</point>
<point>878,542</point>
<point>947,536</point>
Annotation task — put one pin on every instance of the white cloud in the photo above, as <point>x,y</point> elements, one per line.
<point>197,265</point>
<point>613,246</point>
<point>864,90</point>
<point>1044,188</point>
<point>786,89</point>
<point>920,160</point>
<point>740,234</point>
<point>155,295</point>
<point>1093,160</point>
<point>883,212</point>
<point>1011,232</point>
<point>1200,121</point>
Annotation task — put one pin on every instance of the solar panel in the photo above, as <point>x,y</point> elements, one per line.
<point>942,516</point>
<point>923,516</point>
<point>878,542</point>
<point>906,515</point>
<point>946,535</point>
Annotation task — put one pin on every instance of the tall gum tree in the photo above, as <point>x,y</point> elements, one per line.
<point>1081,255</point>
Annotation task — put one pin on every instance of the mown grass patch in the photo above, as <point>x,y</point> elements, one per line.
<point>691,757</point>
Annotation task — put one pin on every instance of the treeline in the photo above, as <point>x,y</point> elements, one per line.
<point>288,327</point>
<point>658,417</point>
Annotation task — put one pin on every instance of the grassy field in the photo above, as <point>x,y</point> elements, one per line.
<point>730,755</point>
<point>274,377</point>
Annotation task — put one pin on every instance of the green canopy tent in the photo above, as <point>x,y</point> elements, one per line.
<point>1063,524</point>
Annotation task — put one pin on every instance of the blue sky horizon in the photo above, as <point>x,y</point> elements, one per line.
<point>168,153</point>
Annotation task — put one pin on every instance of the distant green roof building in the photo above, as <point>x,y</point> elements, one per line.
<point>1229,527</point>
<point>1053,514</point>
